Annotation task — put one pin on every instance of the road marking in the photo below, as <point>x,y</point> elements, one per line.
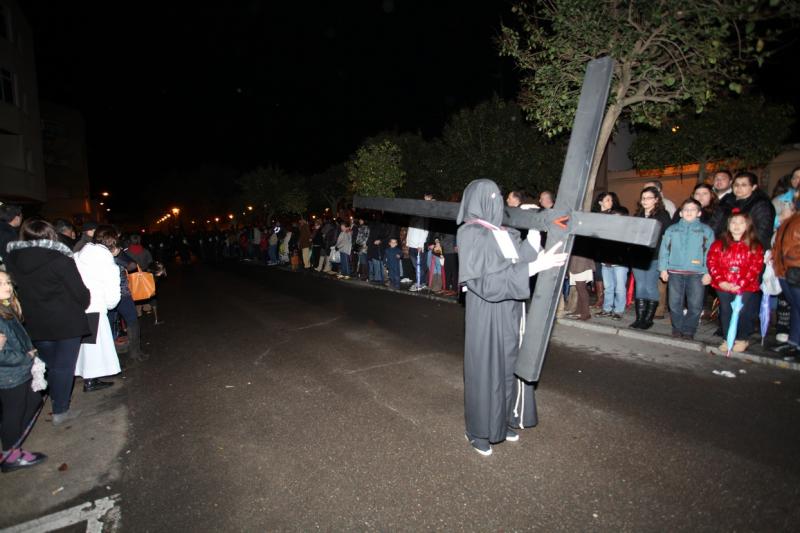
<point>99,515</point>
<point>325,323</point>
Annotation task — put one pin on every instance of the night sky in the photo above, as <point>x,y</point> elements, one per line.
<point>299,84</point>
<point>171,86</point>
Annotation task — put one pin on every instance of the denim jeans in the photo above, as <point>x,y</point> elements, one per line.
<point>647,282</point>
<point>376,270</point>
<point>688,288</point>
<point>615,281</point>
<point>417,256</point>
<point>792,295</point>
<point>395,269</point>
<point>60,358</point>
<point>344,264</point>
<point>127,308</point>
<point>273,253</point>
<point>747,315</point>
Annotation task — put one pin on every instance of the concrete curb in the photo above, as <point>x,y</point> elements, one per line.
<point>678,343</point>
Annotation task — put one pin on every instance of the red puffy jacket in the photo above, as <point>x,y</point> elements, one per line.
<point>737,265</point>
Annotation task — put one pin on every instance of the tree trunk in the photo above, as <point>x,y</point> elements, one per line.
<point>701,169</point>
<point>606,129</point>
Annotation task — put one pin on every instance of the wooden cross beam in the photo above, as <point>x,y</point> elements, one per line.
<point>562,223</point>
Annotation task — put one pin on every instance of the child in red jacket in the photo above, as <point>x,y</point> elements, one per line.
<point>735,262</point>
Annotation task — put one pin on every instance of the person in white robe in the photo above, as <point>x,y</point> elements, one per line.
<point>101,276</point>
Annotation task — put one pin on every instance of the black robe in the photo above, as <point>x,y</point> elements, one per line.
<point>494,398</point>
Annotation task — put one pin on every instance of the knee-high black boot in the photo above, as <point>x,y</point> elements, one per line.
<point>638,305</point>
<point>649,313</point>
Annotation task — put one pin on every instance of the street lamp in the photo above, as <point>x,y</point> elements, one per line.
<point>105,193</point>
<point>176,211</point>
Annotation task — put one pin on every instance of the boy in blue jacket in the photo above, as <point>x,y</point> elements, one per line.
<point>682,262</point>
<point>393,256</point>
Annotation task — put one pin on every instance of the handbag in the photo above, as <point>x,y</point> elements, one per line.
<point>336,256</point>
<point>142,284</point>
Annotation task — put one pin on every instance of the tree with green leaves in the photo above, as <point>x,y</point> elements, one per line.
<point>329,188</point>
<point>376,170</point>
<point>668,53</point>
<point>415,155</point>
<point>492,140</point>
<point>738,131</point>
<point>274,191</point>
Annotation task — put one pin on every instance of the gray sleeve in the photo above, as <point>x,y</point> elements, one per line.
<point>509,284</point>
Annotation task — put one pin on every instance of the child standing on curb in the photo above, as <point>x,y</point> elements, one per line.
<point>394,254</point>
<point>735,262</point>
<point>682,262</point>
<point>19,401</point>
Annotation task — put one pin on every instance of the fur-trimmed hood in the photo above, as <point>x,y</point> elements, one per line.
<point>40,243</point>
<point>29,256</point>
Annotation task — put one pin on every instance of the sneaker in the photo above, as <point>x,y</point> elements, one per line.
<point>603,313</point>
<point>21,459</point>
<point>782,337</point>
<point>724,347</point>
<point>481,446</point>
<point>415,288</point>
<point>60,418</point>
<point>511,435</point>
<point>405,280</point>
<point>616,316</point>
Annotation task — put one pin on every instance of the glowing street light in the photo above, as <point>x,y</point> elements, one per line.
<point>249,207</point>
<point>105,193</point>
<point>230,216</point>
<point>216,219</point>
<point>176,211</point>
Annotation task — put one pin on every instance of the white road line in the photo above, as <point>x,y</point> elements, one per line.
<point>99,515</point>
<point>317,324</point>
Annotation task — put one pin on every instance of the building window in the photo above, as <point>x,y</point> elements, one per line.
<point>7,92</point>
<point>5,23</point>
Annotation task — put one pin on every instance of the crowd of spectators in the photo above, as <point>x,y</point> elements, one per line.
<point>64,295</point>
<point>61,295</point>
<point>718,244</point>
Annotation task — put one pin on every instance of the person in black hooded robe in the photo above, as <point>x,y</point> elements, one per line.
<point>495,266</point>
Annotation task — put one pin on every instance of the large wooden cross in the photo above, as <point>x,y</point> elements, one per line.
<point>562,223</point>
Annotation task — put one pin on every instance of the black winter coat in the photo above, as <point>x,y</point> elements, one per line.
<point>51,291</point>
<point>7,235</point>
<point>761,211</point>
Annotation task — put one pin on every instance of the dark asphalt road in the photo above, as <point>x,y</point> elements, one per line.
<point>284,401</point>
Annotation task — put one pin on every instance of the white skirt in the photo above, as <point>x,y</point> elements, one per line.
<point>99,359</point>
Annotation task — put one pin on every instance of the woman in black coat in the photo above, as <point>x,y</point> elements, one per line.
<point>751,200</point>
<point>54,298</point>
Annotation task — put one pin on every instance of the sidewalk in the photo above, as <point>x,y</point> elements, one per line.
<point>704,340</point>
